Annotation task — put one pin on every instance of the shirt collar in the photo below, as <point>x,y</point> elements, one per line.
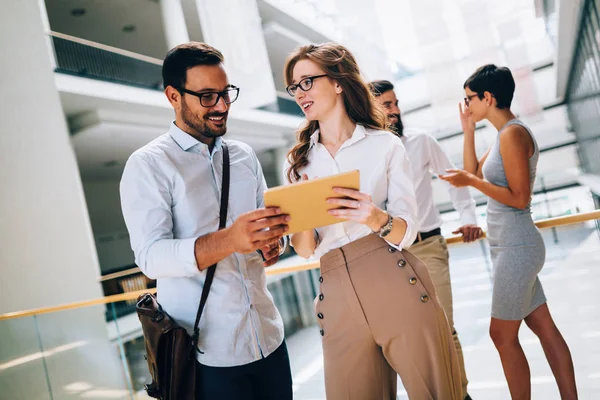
<point>187,141</point>
<point>359,133</point>
<point>314,138</point>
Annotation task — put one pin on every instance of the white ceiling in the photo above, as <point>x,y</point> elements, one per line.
<point>109,121</point>
<point>280,42</point>
<point>105,139</point>
<point>104,20</point>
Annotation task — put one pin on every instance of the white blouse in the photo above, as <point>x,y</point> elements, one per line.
<point>385,174</point>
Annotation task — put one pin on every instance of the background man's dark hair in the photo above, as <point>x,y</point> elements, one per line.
<point>496,80</point>
<point>185,56</point>
<point>380,87</point>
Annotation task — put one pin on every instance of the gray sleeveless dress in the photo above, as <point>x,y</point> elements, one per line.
<point>516,245</point>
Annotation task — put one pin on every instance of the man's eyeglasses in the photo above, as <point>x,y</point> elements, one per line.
<point>210,99</point>
<point>305,84</point>
<point>468,98</point>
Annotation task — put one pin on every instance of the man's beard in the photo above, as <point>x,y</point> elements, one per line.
<point>202,127</point>
<point>398,127</point>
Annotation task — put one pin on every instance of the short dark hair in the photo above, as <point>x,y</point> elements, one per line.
<point>380,87</point>
<point>496,80</point>
<point>185,56</point>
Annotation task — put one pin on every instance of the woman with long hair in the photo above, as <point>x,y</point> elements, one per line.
<point>506,174</point>
<point>377,309</point>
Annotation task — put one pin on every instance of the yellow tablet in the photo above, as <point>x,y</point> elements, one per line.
<point>305,201</point>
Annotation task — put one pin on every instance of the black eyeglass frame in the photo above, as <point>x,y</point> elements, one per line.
<point>467,99</point>
<point>220,95</point>
<point>291,89</point>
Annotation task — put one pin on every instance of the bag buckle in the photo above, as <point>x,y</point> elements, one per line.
<point>158,317</point>
<point>152,390</point>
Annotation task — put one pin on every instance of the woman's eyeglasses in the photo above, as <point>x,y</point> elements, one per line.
<point>468,98</point>
<point>304,84</point>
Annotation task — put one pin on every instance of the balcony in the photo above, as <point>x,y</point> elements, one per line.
<point>87,59</point>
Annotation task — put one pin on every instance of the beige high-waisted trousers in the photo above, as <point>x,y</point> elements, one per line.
<point>379,315</point>
<point>433,252</point>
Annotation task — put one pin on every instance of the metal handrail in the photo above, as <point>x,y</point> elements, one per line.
<point>541,224</point>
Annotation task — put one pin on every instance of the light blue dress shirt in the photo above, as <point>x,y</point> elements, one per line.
<point>170,195</point>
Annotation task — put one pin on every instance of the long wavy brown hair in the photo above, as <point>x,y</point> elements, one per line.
<point>341,66</point>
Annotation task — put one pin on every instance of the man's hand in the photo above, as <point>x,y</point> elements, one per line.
<point>270,253</point>
<point>470,233</point>
<point>258,229</point>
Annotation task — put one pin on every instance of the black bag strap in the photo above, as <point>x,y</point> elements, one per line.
<point>222,222</point>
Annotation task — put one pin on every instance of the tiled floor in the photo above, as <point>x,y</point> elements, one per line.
<point>571,279</point>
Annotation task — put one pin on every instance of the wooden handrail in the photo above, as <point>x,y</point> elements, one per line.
<point>542,224</point>
<point>120,274</point>
<point>78,304</point>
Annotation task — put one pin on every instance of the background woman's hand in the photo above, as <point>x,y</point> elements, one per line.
<point>468,125</point>
<point>458,177</point>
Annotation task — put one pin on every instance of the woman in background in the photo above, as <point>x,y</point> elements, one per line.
<point>506,174</point>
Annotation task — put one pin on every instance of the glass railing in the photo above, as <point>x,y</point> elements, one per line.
<point>63,355</point>
<point>293,294</point>
<point>81,57</point>
<point>69,351</point>
<point>119,283</point>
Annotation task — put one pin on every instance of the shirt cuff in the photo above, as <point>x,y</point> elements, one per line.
<point>169,258</point>
<point>186,253</point>
<point>409,236</point>
<point>468,218</point>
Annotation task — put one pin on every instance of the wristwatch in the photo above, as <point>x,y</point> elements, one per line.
<point>387,228</point>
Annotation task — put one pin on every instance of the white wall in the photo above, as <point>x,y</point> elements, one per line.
<point>47,241</point>
<point>47,253</point>
<point>234,27</point>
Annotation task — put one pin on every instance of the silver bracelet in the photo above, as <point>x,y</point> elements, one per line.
<point>283,243</point>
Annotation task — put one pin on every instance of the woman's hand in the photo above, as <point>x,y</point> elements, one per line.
<point>458,177</point>
<point>468,125</point>
<point>358,207</point>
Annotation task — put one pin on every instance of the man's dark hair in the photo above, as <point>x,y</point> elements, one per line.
<point>185,56</point>
<point>496,80</point>
<point>380,87</point>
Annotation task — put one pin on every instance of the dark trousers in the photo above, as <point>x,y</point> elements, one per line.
<point>267,379</point>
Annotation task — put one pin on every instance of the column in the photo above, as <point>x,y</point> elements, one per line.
<point>360,30</point>
<point>234,27</point>
<point>174,24</point>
